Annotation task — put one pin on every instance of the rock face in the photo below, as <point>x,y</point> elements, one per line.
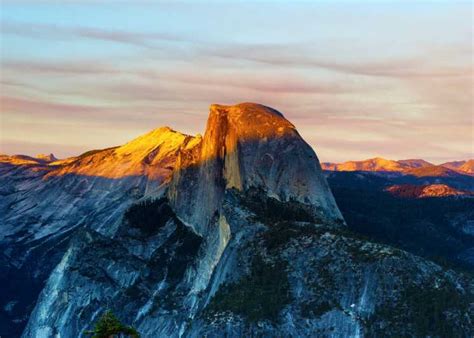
<point>423,191</point>
<point>248,146</point>
<point>43,204</point>
<point>46,157</point>
<point>235,233</point>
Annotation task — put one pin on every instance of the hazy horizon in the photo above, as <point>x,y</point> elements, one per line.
<point>391,79</point>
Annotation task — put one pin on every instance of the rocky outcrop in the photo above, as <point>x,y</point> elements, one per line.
<point>44,203</point>
<point>423,191</point>
<point>234,233</point>
<point>249,146</point>
<point>273,277</point>
<point>47,157</point>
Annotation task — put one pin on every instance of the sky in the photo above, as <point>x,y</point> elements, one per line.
<point>358,79</point>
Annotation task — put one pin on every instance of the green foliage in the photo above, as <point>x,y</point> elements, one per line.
<point>108,326</point>
<point>270,209</point>
<point>149,215</point>
<point>431,309</point>
<point>420,226</point>
<point>258,296</point>
<point>281,233</point>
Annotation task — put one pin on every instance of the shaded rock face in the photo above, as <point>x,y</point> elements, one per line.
<point>249,146</point>
<point>273,277</point>
<point>235,234</point>
<point>43,205</point>
<point>135,271</point>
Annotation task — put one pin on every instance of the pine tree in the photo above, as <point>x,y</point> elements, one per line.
<point>109,326</point>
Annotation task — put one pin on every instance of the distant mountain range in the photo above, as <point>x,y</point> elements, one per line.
<point>427,190</point>
<point>415,167</point>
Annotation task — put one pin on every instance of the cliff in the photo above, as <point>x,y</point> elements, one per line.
<point>235,233</point>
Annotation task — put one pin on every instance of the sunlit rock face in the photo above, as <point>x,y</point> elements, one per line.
<point>424,191</point>
<point>152,155</point>
<point>249,146</point>
<point>43,203</point>
<point>235,233</point>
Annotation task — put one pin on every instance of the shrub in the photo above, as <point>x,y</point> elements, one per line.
<point>108,325</point>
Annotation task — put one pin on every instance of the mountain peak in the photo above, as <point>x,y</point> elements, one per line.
<point>151,155</point>
<point>248,107</point>
<point>146,142</point>
<point>245,147</point>
<point>250,120</point>
<point>415,163</point>
<point>372,164</point>
<point>46,157</point>
<point>467,167</point>
<point>378,164</point>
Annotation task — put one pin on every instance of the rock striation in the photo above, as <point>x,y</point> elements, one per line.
<point>248,146</point>
<point>234,233</point>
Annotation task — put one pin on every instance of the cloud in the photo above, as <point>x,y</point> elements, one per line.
<point>302,56</point>
<point>64,68</point>
<point>350,98</point>
<point>48,31</point>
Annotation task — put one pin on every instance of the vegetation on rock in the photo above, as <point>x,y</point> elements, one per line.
<point>149,215</point>
<point>428,310</point>
<point>260,295</point>
<point>271,209</point>
<point>109,326</point>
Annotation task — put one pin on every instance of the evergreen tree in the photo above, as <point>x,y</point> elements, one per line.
<point>109,326</point>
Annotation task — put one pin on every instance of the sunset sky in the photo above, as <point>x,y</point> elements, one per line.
<point>359,80</point>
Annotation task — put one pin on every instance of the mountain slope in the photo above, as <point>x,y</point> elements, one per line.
<point>440,227</point>
<point>467,167</point>
<point>249,146</point>
<point>373,164</point>
<point>457,175</point>
<point>432,171</point>
<point>377,164</point>
<point>463,167</point>
<point>232,234</point>
<point>44,203</point>
<point>273,278</point>
<point>454,165</point>
<point>422,191</point>
<point>414,163</point>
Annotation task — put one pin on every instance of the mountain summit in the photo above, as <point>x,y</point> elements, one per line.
<point>235,233</point>
<point>249,146</point>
